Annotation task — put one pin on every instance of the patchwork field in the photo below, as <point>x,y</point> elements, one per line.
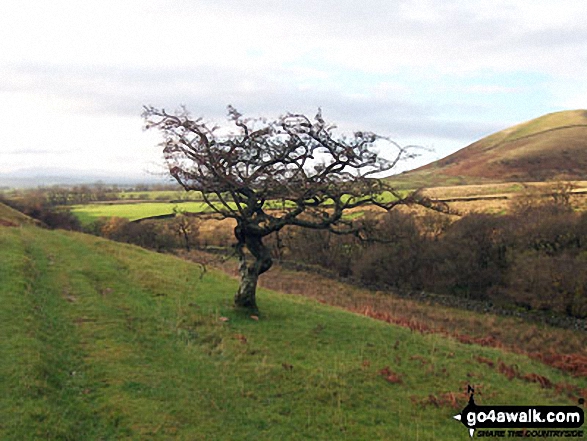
<point>91,212</point>
<point>109,341</point>
<point>489,198</point>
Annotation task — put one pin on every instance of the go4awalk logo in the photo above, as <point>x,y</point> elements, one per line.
<point>544,421</point>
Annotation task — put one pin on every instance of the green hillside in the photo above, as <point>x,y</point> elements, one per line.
<point>551,147</point>
<point>9,217</point>
<point>104,341</point>
<point>541,125</point>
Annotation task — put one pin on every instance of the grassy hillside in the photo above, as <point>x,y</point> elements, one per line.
<point>107,341</point>
<point>9,217</point>
<point>551,147</point>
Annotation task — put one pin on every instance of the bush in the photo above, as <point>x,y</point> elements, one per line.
<point>535,258</point>
<point>38,208</point>
<point>320,247</point>
<point>186,228</point>
<point>396,257</point>
<point>146,234</point>
<point>470,258</point>
<point>60,218</point>
<point>551,283</point>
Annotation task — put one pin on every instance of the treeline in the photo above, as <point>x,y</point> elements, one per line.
<point>180,232</point>
<point>36,205</point>
<point>61,195</point>
<point>535,257</point>
<point>50,204</point>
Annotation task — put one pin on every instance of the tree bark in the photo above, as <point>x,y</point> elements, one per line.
<point>251,267</point>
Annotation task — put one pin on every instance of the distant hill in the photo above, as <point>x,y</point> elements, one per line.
<point>35,177</point>
<point>551,147</point>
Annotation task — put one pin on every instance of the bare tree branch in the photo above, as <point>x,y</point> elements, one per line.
<point>268,174</point>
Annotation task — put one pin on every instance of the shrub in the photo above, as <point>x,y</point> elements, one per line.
<point>470,258</point>
<point>146,234</point>
<point>320,247</point>
<point>552,283</point>
<point>38,208</point>
<point>397,255</point>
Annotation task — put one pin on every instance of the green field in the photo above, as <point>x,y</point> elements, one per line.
<point>91,212</point>
<point>105,341</point>
<point>140,210</point>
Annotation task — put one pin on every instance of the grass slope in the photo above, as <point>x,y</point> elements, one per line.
<point>9,217</point>
<point>551,147</point>
<point>107,341</point>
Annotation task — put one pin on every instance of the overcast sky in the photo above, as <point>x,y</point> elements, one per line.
<point>74,75</point>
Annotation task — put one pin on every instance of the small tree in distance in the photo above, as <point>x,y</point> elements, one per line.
<point>267,174</point>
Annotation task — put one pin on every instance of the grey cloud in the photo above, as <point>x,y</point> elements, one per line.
<point>124,90</point>
<point>454,22</point>
<point>556,37</point>
<point>205,91</point>
<point>459,31</point>
<point>463,131</point>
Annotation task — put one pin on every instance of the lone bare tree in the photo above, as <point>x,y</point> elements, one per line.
<point>267,174</point>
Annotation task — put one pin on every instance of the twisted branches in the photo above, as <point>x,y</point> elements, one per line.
<point>293,163</point>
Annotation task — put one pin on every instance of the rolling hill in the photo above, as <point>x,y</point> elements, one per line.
<point>549,148</point>
<point>9,217</point>
<point>108,341</point>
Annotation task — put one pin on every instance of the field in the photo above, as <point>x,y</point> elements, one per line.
<point>140,209</point>
<point>491,198</point>
<point>109,341</point>
<point>91,212</point>
<point>143,208</point>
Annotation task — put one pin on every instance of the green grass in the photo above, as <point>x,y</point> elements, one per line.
<point>91,212</point>
<point>108,341</point>
<point>430,178</point>
<point>545,123</point>
<point>134,211</point>
<point>10,216</point>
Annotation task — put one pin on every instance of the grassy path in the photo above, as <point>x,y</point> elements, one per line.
<point>107,341</point>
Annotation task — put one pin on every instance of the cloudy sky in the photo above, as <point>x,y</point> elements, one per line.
<point>74,75</point>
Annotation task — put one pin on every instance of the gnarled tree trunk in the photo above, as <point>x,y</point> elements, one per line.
<point>251,267</point>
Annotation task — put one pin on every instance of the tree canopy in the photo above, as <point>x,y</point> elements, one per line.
<point>267,174</point>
